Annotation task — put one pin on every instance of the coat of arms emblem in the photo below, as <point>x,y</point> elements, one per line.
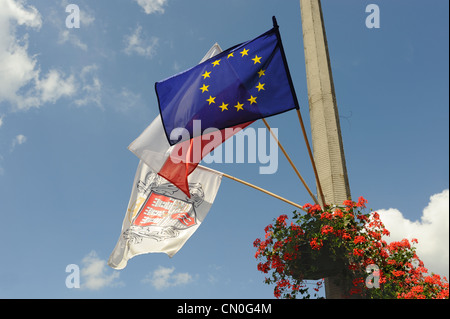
<point>162,215</point>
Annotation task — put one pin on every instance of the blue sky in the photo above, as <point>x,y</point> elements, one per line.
<point>72,100</point>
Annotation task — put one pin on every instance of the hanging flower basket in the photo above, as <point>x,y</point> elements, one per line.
<point>341,242</point>
<point>315,265</point>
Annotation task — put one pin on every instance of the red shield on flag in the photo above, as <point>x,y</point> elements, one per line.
<point>163,211</point>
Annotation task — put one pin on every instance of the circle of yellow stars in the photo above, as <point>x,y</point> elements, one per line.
<point>239,106</point>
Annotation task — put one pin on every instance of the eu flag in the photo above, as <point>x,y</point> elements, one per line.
<point>244,83</point>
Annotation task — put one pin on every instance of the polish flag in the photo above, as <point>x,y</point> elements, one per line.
<point>175,163</point>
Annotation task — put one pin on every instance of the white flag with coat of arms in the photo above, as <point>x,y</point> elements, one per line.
<point>160,217</point>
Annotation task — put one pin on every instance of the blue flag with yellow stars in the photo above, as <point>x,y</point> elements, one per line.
<point>247,82</point>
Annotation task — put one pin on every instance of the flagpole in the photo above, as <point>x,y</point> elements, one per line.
<point>253,186</point>
<point>319,186</point>
<point>290,161</point>
<point>264,191</point>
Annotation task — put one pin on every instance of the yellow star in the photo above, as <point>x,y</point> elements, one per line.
<point>223,106</point>
<point>206,75</point>
<point>259,86</point>
<point>257,59</point>
<point>239,106</point>
<point>215,63</point>
<point>244,52</point>
<point>252,99</point>
<point>204,88</point>
<point>211,100</point>
<point>261,72</point>
<point>230,55</point>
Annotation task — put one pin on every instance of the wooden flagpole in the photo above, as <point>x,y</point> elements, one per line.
<point>263,190</point>
<point>255,187</point>
<point>290,162</point>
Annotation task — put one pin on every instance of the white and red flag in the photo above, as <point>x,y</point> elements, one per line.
<point>175,163</point>
<point>160,217</point>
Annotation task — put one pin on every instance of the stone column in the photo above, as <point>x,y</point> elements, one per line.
<point>326,136</point>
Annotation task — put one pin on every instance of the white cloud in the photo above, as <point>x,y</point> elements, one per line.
<point>16,67</point>
<point>65,35</point>
<point>432,231</point>
<point>86,18</point>
<point>152,6</point>
<point>28,16</point>
<point>136,44</point>
<point>21,83</point>
<point>86,14</point>
<point>163,278</point>
<point>53,86</point>
<point>125,100</point>
<point>91,87</point>
<point>18,140</point>
<point>94,273</point>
